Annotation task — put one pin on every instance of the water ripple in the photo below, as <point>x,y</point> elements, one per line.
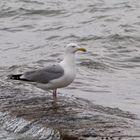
<point>33,34</point>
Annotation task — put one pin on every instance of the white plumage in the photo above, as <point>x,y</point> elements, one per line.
<point>55,76</point>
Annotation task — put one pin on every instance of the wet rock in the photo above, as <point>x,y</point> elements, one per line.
<point>38,116</point>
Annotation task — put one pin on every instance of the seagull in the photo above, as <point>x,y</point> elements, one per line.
<point>54,76</point>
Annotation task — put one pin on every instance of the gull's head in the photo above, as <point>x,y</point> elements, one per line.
<point>73,48</point>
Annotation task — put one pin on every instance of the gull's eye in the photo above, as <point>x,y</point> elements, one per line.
<point>73,46</point>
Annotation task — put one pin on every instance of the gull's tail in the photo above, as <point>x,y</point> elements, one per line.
<point>15,77</point>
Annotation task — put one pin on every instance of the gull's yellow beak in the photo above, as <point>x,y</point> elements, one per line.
<point>82,49</point>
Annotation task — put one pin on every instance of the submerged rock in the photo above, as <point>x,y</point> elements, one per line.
<point>34,116</point>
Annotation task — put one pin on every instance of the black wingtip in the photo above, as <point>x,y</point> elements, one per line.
<point>15,77</point>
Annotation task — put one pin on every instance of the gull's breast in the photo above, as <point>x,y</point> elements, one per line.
<point>63,81</point>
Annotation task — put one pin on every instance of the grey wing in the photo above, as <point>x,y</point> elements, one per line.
<point>44,75</point>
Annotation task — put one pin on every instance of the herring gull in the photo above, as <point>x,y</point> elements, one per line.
<point>55,76</point>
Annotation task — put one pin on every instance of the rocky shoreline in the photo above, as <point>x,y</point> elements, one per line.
<point>69,118</point>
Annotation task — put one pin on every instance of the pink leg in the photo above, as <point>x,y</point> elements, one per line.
<point>54,93</point>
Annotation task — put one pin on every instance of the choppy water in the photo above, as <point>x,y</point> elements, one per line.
<point>33,33</point>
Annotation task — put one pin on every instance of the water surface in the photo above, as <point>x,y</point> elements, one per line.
<point>33,34</point>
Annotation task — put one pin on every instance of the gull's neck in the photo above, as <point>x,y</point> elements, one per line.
<point>68,60</point>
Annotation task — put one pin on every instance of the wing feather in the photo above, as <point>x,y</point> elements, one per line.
<point>44,75</point>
